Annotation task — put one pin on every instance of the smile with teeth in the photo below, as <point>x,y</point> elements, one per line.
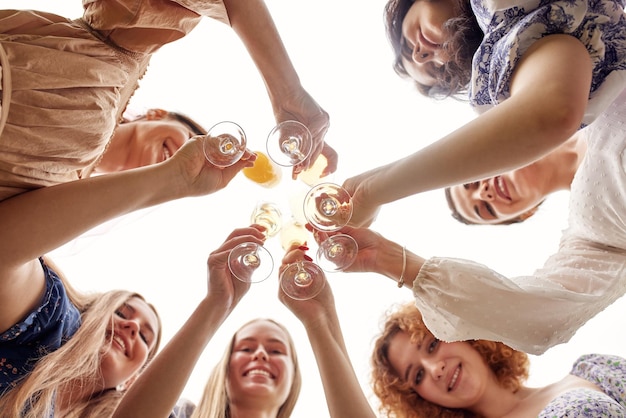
<point>261,372</point>
<point>120,342</point>
<point>455,376</point>
<point>501,188</point>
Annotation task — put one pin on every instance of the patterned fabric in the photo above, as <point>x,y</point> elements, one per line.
<point>64,83</point>
<point>44,330</point>
<point>609,374</point>
<point>511,27</point>
<point>463,300</point>
<point>183,409</point>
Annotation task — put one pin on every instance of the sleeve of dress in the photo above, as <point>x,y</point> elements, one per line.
<point>214,9</point>
<point>462,300</point>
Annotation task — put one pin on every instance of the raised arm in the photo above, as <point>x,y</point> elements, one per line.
<point>344,396</point>
<point>157,389</point>
<point>520,130</point>
<point>460,299</point>
<point>252,22</point>
<point>39,221</point>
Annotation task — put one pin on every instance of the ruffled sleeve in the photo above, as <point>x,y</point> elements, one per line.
<point>463,300</point>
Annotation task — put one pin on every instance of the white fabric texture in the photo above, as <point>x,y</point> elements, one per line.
<point>463,300</point>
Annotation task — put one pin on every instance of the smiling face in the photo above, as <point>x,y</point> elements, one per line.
<point>261,367</point>
<point>133,335</point>
<point>452,375</point>
<point>144,142</point>
<point>422,38</point>
<point>502,198</point>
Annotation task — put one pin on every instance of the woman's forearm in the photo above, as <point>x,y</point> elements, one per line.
<point>41,220</point>
<point>344,395</point>
<point>253,23</point>
<point>516,132</point>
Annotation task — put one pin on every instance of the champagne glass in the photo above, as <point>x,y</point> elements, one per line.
<point>289,143</point>
<point>337,253</point>
<point>224,144</point>
<point>293,232</point>
<point>302,280</point>
<point>268,215</point>
<point>327,207</point>
<point>250,262</point>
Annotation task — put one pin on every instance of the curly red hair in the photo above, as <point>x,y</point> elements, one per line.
<point>398,399</point>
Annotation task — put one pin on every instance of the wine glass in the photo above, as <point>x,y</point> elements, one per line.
<point>337,253</point>
<point>302,280</point>
<point>224,144</point>
<point>293,232</point>
<point>289,143</point>
<point>250,262</point>
<point>327,207</point>
<point>268,215</point>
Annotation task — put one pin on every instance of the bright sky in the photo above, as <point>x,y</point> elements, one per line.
<point>342,56</point>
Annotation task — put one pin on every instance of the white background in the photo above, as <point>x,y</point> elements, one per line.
<point>344,61</point>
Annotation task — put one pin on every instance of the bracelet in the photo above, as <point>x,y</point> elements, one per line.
<point>401,280</point>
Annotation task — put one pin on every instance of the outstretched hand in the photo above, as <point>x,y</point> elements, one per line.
<point>200,177</point>
<point>311,312</point>
<point>304,109</point>
<point>224,289</point>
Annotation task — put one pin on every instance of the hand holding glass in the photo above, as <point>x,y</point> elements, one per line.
<point>289,143</point>
<point>250,262</point>
<point>302,280</point>
<point>224,144</point>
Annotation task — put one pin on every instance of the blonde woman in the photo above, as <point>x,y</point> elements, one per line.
<point>258,375</point>
<point>261,345</point>
<point>97,344</point>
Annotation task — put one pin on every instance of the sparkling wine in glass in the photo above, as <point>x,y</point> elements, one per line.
<point>268,215</point>
<point>224,144</point>
<point>337,253</point>
<point>302,280</point>
<point>289,143</point>
<point>293,232</point>
<point>327,207</point>
<point>250,262</point>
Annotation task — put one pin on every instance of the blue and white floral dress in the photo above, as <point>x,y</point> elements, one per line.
<point>512,26</point>
<point>606,372</point>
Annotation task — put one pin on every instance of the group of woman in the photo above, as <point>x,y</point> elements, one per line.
<point>65,86</point>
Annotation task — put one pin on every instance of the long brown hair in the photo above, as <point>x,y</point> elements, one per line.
<point>399,400</point>
<point>214,402</point>
<point>76,363</point>
<point>465,37</point>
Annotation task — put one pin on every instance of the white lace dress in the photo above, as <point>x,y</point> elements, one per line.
<point>463,300</point>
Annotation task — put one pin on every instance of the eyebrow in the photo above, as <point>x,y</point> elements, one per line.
<point>406,373</point>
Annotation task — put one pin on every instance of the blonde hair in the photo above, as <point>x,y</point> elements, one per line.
<point>80,357</point>
<point>214,402</point>
<point>398,399</point>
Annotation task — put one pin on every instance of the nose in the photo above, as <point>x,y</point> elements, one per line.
<point>485,191</point>
<point>260,354</point>
<point>422,53</point>
<point>131,326</point>
<point>435,368</point>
